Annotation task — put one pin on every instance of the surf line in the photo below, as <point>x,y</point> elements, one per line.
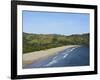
<point>50,63</point>
<point>55,59</point>
<point>68,52</point>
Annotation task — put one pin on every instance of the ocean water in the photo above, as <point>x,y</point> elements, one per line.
<point>70,57</point>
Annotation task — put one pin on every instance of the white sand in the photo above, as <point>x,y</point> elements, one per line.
<point>28,58</point>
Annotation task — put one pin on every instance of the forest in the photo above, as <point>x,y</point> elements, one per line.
<point>35,42</point>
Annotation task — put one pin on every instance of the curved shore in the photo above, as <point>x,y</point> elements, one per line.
<point>29,58</point>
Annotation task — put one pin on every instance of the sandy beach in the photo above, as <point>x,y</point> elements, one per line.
<point>29,58</point>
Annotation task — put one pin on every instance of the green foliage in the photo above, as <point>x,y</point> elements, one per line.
<point>36,42</point>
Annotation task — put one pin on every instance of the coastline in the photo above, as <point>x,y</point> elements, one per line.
<point>30,57</point>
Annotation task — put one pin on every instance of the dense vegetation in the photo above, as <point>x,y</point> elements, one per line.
<point>36,42</point>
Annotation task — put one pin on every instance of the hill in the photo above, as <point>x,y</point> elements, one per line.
<point>36,42</point>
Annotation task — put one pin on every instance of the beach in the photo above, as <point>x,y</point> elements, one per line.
<point>29,58</point>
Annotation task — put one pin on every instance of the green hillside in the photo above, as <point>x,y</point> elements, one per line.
<point>36,42</point>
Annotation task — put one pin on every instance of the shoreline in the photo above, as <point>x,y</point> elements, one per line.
<point>30,57</point>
